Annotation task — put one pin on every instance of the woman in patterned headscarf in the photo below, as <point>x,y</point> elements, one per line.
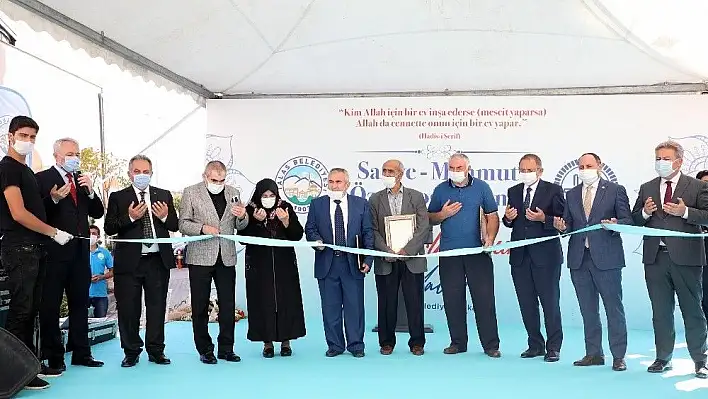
<point>275,312</point>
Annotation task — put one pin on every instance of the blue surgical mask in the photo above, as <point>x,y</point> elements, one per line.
<point>664,168</point>
<point>71,164</point>
<point>141,181</point>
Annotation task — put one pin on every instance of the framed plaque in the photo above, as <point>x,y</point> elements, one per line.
<point>399,230</point>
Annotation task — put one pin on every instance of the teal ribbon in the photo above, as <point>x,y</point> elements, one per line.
<point>270,242</point>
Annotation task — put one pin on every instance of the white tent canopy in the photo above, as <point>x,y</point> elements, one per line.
<point>235,47</point>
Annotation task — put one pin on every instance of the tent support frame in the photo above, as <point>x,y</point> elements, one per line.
<point>662,88</point>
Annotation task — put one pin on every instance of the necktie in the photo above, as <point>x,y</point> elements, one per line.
<point>339,236</point>
<point>669,193</point>
<point>527,198</point>
<point>587,201</point>
<point>147,228</point>
<point>70,178</point>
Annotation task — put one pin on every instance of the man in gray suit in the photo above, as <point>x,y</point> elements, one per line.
<point>210,208</point>
<point>674,265</point>
<point>406,273</point>
<point>596,259</point>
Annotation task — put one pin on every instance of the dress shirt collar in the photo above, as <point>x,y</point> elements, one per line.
<point>400,190</point>
<point>674,180</point>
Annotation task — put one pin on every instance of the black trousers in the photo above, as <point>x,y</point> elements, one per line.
<point>25,266</point>
<point>666,280</point>
<point>200,278</point>
<point>74,277</point>
<point>534,284</point>
<point>477,272</point>
<point>153,277</point>
<point>387,287</point>
<point>705,293</point>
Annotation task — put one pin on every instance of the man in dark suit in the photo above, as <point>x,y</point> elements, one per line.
<point>536,269</point>
<point>596,259</point>
<point>703,176</point>
<point>673,266</point>
<point>138,212</point>
<point>69,200</point>
<point>395,273</point>
<point>343,220</point>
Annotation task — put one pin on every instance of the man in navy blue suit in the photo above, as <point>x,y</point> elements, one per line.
<point>596,259</point>
<point>343,220</point>
<point>536,269</point>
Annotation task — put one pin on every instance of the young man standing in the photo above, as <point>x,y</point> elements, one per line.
<point>101,270</point>
<point>25,232</point>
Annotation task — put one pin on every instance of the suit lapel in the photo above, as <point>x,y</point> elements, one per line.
<point>387,205</point>
<point>599,197</point>
<point>350,217</point>
<point>578,190</point>
<point>681,186</point>
<point>228,193</point>
<point>206,199</point>
<point>406,203</point>
<point>536,194</point>
<point>328,213</point>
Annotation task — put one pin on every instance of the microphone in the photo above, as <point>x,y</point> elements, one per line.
<point>76,182</point>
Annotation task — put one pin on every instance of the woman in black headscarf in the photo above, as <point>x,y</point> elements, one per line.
<point>275,312</point>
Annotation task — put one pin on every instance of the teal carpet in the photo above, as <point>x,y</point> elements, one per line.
<point>308,374</point>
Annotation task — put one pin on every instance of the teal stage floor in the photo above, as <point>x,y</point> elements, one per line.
<point>308,374</point>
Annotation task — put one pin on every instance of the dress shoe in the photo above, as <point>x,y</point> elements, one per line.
<point>358,353</point>
<point>494,353</point>
<point>552,357</point>
<point>49,372</point>
<point>230,357</point>
<point>130,361</point>
<point>286,351</point>
<point>659,366</point>
<point>207,358</point>
<point>590,361</point>
<point>160,359</point>
<point>701,370</point>
<point>268,352</point>
<point>386,350</point>
<point>332,353</point>
<point>619,365</point>
<point>88,361</point>
<point>453,350</point>
<point>531,353</point>
<point>417,350</point>
<point>37,384</point>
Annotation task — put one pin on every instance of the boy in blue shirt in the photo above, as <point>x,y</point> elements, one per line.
<point>101,270</point>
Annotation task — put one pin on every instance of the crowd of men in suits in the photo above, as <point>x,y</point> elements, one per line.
<point>44,217</point>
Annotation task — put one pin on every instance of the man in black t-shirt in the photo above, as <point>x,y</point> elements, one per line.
<point>24,231</point>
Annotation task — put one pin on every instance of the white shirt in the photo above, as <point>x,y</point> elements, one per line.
<point>152,248</point>
<point>63,173</point>
<point>533,188</point>
<point>345,212</point>
<point>660,201</point>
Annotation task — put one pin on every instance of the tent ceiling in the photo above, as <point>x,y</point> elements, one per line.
<point>335,46</point>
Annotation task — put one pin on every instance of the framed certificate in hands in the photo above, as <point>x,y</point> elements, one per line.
<point>399,231</point>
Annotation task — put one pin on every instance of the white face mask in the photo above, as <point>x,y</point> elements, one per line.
<point>458,177</point>
<point>664,168</point>
<point>268,203</point>
<point>94,239</point>
<point>23,147</point>
<point>215,188</point>
<point>589,176</point>
<point>336,195</point>
<point>528,178</point>
<point>388,181</point>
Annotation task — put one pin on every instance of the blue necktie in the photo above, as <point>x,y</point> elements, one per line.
<point>527,199</point>
<point>339,236</point>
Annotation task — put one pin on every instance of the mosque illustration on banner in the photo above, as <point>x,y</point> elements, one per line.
<point>302,184</point>
<point>220,148</point>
